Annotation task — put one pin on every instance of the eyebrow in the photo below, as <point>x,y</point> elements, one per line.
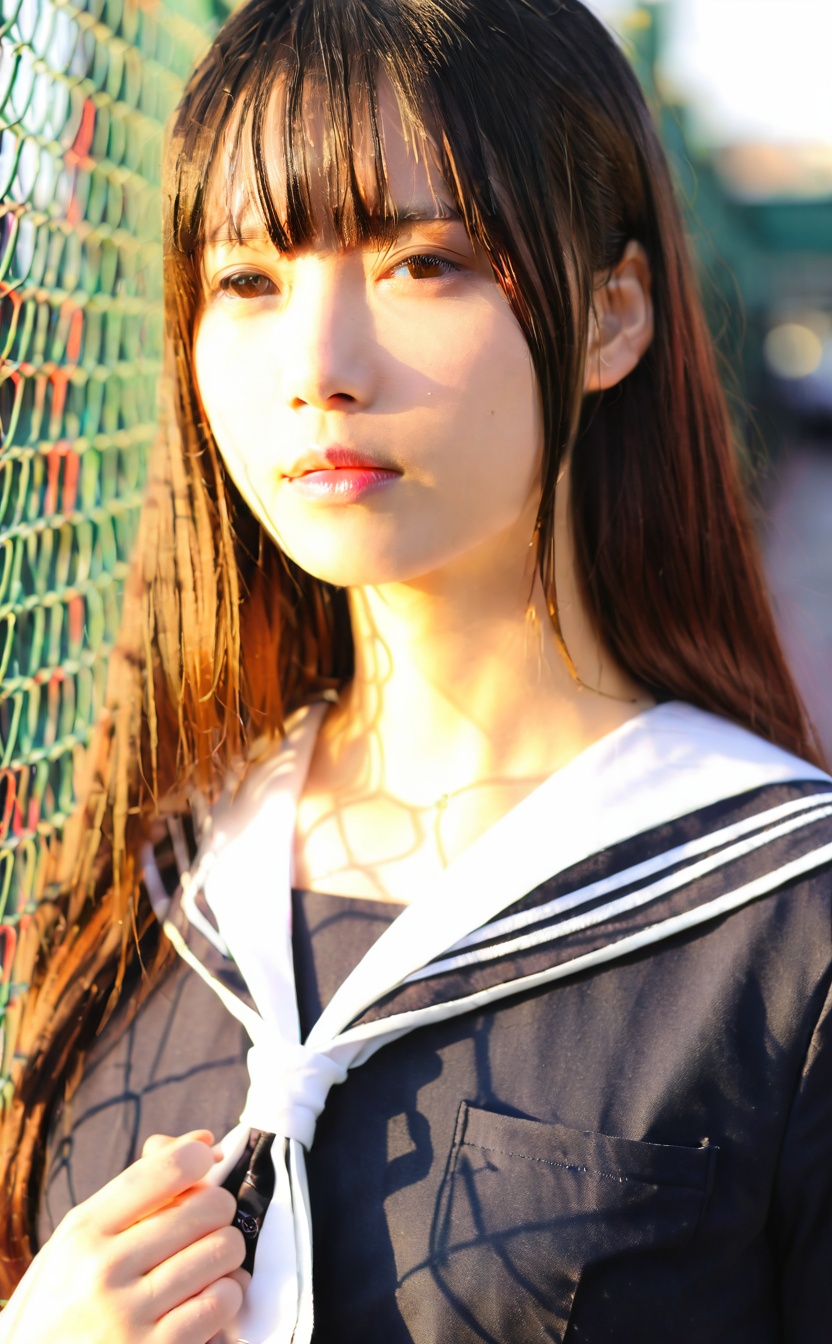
<point>385,231</point>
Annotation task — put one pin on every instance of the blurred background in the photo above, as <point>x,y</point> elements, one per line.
<point>743,95</point>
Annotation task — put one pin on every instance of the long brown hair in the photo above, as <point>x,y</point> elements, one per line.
<point>547,147</point>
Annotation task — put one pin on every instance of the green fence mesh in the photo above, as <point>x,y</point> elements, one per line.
<point>84,92</point>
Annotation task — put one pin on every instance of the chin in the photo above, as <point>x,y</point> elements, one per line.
<point>351,576</point>
<point>363,555</point>
<point>354,567</point>
<point>364,574</point>
<point>363,566</point>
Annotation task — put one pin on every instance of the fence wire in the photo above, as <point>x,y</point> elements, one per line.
<point>85,89</point>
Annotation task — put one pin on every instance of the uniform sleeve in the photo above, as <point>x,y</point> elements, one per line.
<point>801,1218</point>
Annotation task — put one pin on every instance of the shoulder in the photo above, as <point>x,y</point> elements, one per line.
<point>743,890</point>
<point>684,742</point>
<point>708,808</point>
<point>680,819</point>
<point>767,848</point>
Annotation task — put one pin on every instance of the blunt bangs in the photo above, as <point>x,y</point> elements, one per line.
<point>293,138</point>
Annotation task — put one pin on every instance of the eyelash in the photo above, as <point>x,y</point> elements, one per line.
<point>429,259</point>
<point>233,284</point>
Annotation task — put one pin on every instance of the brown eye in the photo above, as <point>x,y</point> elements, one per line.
<point>247,285</point>
<point>424,267</point>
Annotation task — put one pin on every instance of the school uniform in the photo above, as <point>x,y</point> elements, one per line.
<point>612,1119</point>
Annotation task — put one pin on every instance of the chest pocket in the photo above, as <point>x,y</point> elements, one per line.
<point>525,1208</point>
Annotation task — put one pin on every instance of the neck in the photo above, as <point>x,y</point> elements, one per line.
<point>459,680</point>
<point>461,704</point>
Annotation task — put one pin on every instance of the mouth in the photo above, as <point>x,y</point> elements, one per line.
<point>338,475</point>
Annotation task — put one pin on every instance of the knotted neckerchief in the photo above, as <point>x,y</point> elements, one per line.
<point>487,929</point>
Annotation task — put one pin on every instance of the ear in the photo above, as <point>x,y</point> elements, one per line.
<point>620,322</point>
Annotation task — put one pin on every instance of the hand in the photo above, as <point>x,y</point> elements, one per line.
<point>150,1259</point>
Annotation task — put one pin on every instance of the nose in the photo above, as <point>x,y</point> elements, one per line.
<point>328,363</point>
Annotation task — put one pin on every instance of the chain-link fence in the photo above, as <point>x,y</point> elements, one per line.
<point>84,92</point>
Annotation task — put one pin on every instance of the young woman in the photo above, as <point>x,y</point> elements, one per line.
<point>452,761</point>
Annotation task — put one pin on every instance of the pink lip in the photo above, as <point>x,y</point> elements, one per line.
<point>337,475</point>
<point>341,485</point>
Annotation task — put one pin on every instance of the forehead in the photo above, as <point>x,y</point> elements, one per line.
<point>324,172</point>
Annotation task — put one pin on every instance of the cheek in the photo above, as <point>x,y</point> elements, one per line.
<point>211,372</point>
<point>491,427</point>
<point>217,364</point>
<point>227,377</point>
<point>498,383</point>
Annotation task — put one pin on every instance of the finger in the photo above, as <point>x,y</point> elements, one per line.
<point>192,1270</point>
<point>154,1143</point>
<point>188,1218</point>
<point>242,1277</point>
<point>147,1185</point>
<point>199,1319</point>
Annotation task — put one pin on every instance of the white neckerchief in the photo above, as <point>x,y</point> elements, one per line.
<point>666,763</point>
